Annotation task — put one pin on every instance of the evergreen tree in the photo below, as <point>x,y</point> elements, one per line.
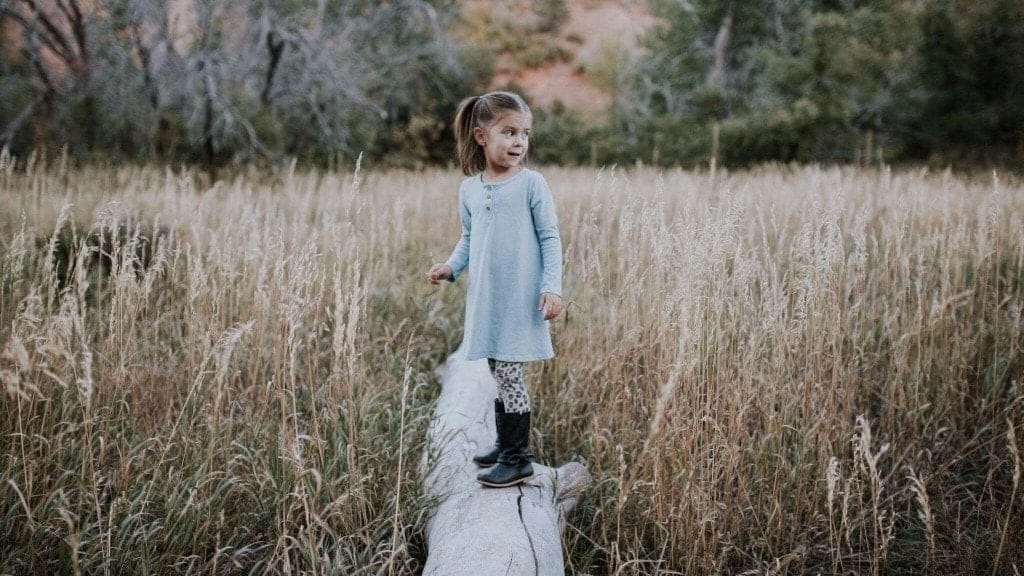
<point>831,80</point>
<point>971,75</point>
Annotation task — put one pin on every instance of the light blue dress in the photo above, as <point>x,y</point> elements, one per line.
<point>510,244</point>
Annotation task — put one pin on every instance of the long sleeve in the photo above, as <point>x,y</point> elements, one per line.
<point>545,224</point>
<point>459,258</point>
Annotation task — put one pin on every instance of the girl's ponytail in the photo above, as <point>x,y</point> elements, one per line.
<point>480,111</point>
<point>468,152</point>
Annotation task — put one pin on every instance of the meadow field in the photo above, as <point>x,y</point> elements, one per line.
<point>782,370</point>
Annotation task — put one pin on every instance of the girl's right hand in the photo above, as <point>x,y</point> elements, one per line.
<point>439,272</point>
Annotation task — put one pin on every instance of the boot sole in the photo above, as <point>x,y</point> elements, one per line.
<point>489,464</point>
<point>507,484</point>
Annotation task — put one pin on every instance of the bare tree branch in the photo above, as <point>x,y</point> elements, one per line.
<point>64,8</point>
<point>56,35</point>
<point>78,27</point>
<point>275,47</point>
<point>145,55</point>
<point>723,40</point>
<point>12,128</point>
<point>29,27</point>
<point>32,53</point>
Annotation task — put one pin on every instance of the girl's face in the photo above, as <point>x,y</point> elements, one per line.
<point>505,141</point>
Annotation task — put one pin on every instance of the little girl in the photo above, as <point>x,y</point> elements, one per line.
<point>511,245</point>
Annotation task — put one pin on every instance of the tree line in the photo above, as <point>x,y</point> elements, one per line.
<point>229,80</point>
<point>739,82</point>
<point>833,81</point>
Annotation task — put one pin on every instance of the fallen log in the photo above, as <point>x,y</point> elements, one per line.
<point>476,530</point>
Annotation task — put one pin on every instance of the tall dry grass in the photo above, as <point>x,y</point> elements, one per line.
<point>236,406</point>
<point>791,370</point>
<point>779,371</point>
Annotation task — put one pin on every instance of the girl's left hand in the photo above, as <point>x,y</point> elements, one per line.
<point>551,304</point>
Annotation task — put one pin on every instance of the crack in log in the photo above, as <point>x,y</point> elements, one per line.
<point>519,505</point>
<point>460,423</point>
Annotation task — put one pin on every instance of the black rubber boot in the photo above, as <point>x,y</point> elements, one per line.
<point>489,456</point>
<point>514,458</point>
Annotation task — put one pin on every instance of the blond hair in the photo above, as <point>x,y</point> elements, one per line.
<point>480,111</point>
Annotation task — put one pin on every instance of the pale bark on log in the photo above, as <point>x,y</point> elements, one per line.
<point>477,530</point>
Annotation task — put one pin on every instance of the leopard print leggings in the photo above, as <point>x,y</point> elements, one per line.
<point>511,385</point>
